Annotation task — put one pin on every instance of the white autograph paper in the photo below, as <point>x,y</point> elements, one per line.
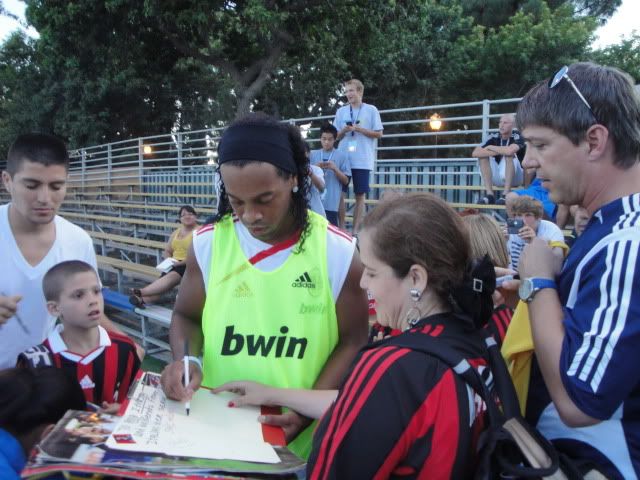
<point>152,423</point>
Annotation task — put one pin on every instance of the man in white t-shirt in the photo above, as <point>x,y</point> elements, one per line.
<point>359,128</point>
<point>33,239</point>
<point>530,211</point>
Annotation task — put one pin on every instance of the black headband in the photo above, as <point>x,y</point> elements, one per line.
<point>259,143</point>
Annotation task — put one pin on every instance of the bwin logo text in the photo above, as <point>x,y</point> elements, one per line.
<point>234,343</point>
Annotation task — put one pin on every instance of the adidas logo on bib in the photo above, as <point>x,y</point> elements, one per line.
<point>304,281</point>
<point>243,291</point>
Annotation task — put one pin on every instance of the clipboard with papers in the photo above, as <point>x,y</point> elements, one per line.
<point>154,435</point>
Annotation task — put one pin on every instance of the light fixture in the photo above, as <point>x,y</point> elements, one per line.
<point>434,122</point>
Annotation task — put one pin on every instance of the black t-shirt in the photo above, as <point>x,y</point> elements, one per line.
<point>497,141</point>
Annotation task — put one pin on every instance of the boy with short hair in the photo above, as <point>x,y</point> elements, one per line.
<point>337,170</point>
<point>530,211</point>
<point>105,363</point>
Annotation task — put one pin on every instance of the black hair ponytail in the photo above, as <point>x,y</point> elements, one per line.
<point>30,397</point>
<point>474,296</point>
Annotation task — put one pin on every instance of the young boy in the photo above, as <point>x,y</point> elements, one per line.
<point>337,170</point>
<point>105,363</point>
<point>316,184</point>
<point>530,211</point>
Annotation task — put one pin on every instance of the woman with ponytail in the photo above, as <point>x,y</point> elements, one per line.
<point>401,412</point>
<point>31,401</point>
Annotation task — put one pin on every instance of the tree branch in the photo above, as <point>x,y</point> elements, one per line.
<point>190,51</point>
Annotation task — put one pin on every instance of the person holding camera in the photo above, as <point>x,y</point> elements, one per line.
<point>527,224</point>
<point>359,127</point>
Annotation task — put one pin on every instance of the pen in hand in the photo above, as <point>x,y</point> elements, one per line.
<point>18,318</point>
<point>187,405</point>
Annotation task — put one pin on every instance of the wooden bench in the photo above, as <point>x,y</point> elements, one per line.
<point>110,219</point>
<point>135,206</point>
<point>98,194</point>
<point>77,183</point>
<point>119,267</point>
<point>383,186</point>
<point>460,206</point>
<point>133,244</point>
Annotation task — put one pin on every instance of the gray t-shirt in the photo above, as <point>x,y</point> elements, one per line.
<point>315,197</point>
<point>332,186</point>
<point>360,149</point>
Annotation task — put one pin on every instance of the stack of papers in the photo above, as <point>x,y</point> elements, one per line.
<point>155,436</point>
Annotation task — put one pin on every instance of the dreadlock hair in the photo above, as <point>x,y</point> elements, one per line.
<point>299,200</point>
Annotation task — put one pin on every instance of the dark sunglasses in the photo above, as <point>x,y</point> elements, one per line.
<point>563,75</point>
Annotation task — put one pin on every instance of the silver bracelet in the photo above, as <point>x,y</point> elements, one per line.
<point>195,360</point>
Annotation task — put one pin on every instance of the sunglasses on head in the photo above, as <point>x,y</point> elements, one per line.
<point>563,75</point>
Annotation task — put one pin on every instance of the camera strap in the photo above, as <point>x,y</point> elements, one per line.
<point>354,121</point>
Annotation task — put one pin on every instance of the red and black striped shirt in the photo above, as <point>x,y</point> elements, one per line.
<point>403,414</point>
<point>105,374</point>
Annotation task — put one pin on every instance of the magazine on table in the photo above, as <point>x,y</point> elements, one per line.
<point>84,441</point>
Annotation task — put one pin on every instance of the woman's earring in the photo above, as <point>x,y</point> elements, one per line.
<point>295,189</point>
<point>414,314</point>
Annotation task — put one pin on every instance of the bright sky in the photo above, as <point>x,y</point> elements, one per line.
<point>624,21</point>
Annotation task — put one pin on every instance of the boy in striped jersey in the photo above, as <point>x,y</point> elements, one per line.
<point>582,131</point>
<point>105,363</point>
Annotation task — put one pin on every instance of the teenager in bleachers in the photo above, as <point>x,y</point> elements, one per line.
<point>401,413</point>
<point>337,170</point>
<point>104,363</point>
<point>499,158</point>
<point>359,127</point>
<point>34,238</point>
<point>31,402</point>
<point>530,211</point>
<point>317,185</point>
<point>177,248</point>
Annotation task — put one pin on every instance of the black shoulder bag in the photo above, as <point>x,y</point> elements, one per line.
<point>509,447</point>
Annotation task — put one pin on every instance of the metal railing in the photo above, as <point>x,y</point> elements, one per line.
<point>411,152</point>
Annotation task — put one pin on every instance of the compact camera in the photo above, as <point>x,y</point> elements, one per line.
<point>514,225</point>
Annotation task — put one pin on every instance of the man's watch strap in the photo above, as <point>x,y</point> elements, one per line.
<point>531,286</point>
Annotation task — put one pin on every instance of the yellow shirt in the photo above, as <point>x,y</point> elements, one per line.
<point>180,246</point>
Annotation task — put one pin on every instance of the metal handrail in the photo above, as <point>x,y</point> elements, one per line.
<point>465,125</point>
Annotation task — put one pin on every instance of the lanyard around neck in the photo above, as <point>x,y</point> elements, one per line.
<point>354,121</point>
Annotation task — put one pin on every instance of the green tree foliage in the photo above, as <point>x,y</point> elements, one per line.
<point>625,56</point>
<point>530,47</point>
<point>104,70</point>
<point>110,73</point>
<point>23,103</point>
<point>493,13</point>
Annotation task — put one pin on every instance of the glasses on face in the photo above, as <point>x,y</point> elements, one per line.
<point>563,75</point>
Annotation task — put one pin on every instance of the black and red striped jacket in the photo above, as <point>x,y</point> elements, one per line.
<point>105,373</point>
<point>403,414</point>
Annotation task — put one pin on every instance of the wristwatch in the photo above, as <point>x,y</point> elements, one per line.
<point>530,286</point>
